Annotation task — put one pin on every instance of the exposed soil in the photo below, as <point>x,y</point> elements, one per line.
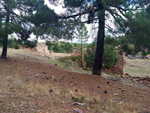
<point>25,84</point>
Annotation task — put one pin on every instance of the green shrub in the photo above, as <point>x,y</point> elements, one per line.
<point>12,43</point>
<point>110,57</point>
<point>144,53</point>
<point>90,55</point>
<point>59,47</point>
<point>76,99</point>
<point>30,44</point>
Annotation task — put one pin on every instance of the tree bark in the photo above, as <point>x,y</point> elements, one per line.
<point>4,52</point>
<point>5,38</point>
<point>100,44</point>
<point>81,54</point>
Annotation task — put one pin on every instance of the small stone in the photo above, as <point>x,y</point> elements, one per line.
<point>55,79</point>
<point>70,81</point>
<point>44,73</point>
<point>76,90</point>
<point>47,77</point>
<point>72,77</point>
<point>115,94</point>
<point>36,75</point>
<point>105,91</point>
<point>121,102</point>
<point>98,86</point>
<point>55,64</point>
<point>75,84</point>
<point>108,82</point>
<point>50,90</point>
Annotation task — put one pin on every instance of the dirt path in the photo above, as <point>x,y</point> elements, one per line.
<point>25,84</point>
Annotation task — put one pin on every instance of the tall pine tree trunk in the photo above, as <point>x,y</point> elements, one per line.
<point>5,39</point>
<point>81,54</point>
<point>100,43</point>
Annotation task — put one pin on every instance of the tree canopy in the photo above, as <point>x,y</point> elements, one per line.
<point>98,11</point>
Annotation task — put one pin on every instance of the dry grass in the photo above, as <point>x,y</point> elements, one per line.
<point>138,67</point>
<point>19,95</point>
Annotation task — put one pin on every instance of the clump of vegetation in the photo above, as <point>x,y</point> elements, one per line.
<point>71,58</point>
<point>90,55</point>
<point>76,99</point>
<point>30,44</point>
<point>110,57</point>
<point>15,43</point>
<point>60,47</point>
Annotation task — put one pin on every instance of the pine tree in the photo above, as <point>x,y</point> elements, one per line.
<point>98,11</point>
<point>14,15</point>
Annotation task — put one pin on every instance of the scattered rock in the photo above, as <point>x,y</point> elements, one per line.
<point>105,91</point>
<point>50,90</point>
<point>44,73</point>
<point>76,90</point>
<point>47,77</point>
<point>98,86</point>
<point>115,94</point>
<point>77,110</point>
<point>55,79</point>
<point>36,75</point>
<point>80,104</point>
<point>121,102</point>
<point>75,84</point>
<point>55,64</point>
<point>108,82</point>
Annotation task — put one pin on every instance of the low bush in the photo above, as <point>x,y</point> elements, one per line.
<point>110,57</point>
<point>30,44</point>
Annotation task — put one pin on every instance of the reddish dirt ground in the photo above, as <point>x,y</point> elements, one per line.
<point>89,86</point>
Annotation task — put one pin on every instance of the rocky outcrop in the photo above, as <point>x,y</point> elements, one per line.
<point>42,49</point>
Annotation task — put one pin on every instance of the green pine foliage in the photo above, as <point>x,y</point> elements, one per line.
<point>15,43</point>
<point>110,57</point>
<point>90,55</point>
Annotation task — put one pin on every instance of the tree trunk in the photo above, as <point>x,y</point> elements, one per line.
<point>100,44</point>
<point>5,41</point>
<point>81,53</point>
<point>5,38</point>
